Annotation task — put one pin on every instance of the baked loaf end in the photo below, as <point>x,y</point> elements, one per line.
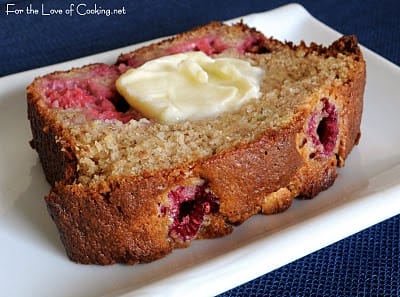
<point>129,189</point>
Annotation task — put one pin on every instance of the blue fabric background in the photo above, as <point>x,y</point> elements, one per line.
<point>31,41</point>
<point>365,264</point>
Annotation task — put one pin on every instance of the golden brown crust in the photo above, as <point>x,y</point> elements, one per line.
<point>58,160</point>
<point>242,177</point>
<point>121,219</point>
<point>121,224</point>
<point>352,94</point>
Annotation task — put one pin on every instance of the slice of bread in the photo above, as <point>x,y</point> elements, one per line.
<point>129,189</point>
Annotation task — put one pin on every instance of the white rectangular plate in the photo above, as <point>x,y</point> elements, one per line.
<point>366,192</point>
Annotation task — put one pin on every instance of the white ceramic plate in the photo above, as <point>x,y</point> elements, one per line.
<point>33,262</point>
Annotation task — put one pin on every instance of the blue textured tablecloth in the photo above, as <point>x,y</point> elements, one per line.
<point>365,264</point>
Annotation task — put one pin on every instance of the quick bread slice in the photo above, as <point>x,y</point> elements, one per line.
<point>130,189</point>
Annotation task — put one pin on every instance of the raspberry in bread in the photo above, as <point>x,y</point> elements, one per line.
<point>128,188</point>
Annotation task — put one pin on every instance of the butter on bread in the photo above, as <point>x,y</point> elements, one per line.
<point>171,88</point>
<point>129,188</point>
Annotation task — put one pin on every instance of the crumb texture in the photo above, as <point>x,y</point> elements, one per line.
<point>110,142</point>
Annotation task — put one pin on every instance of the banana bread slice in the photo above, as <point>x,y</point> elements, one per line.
<point>129,189</point>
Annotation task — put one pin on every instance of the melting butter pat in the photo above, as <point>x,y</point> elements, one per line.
<point>189,86</point>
